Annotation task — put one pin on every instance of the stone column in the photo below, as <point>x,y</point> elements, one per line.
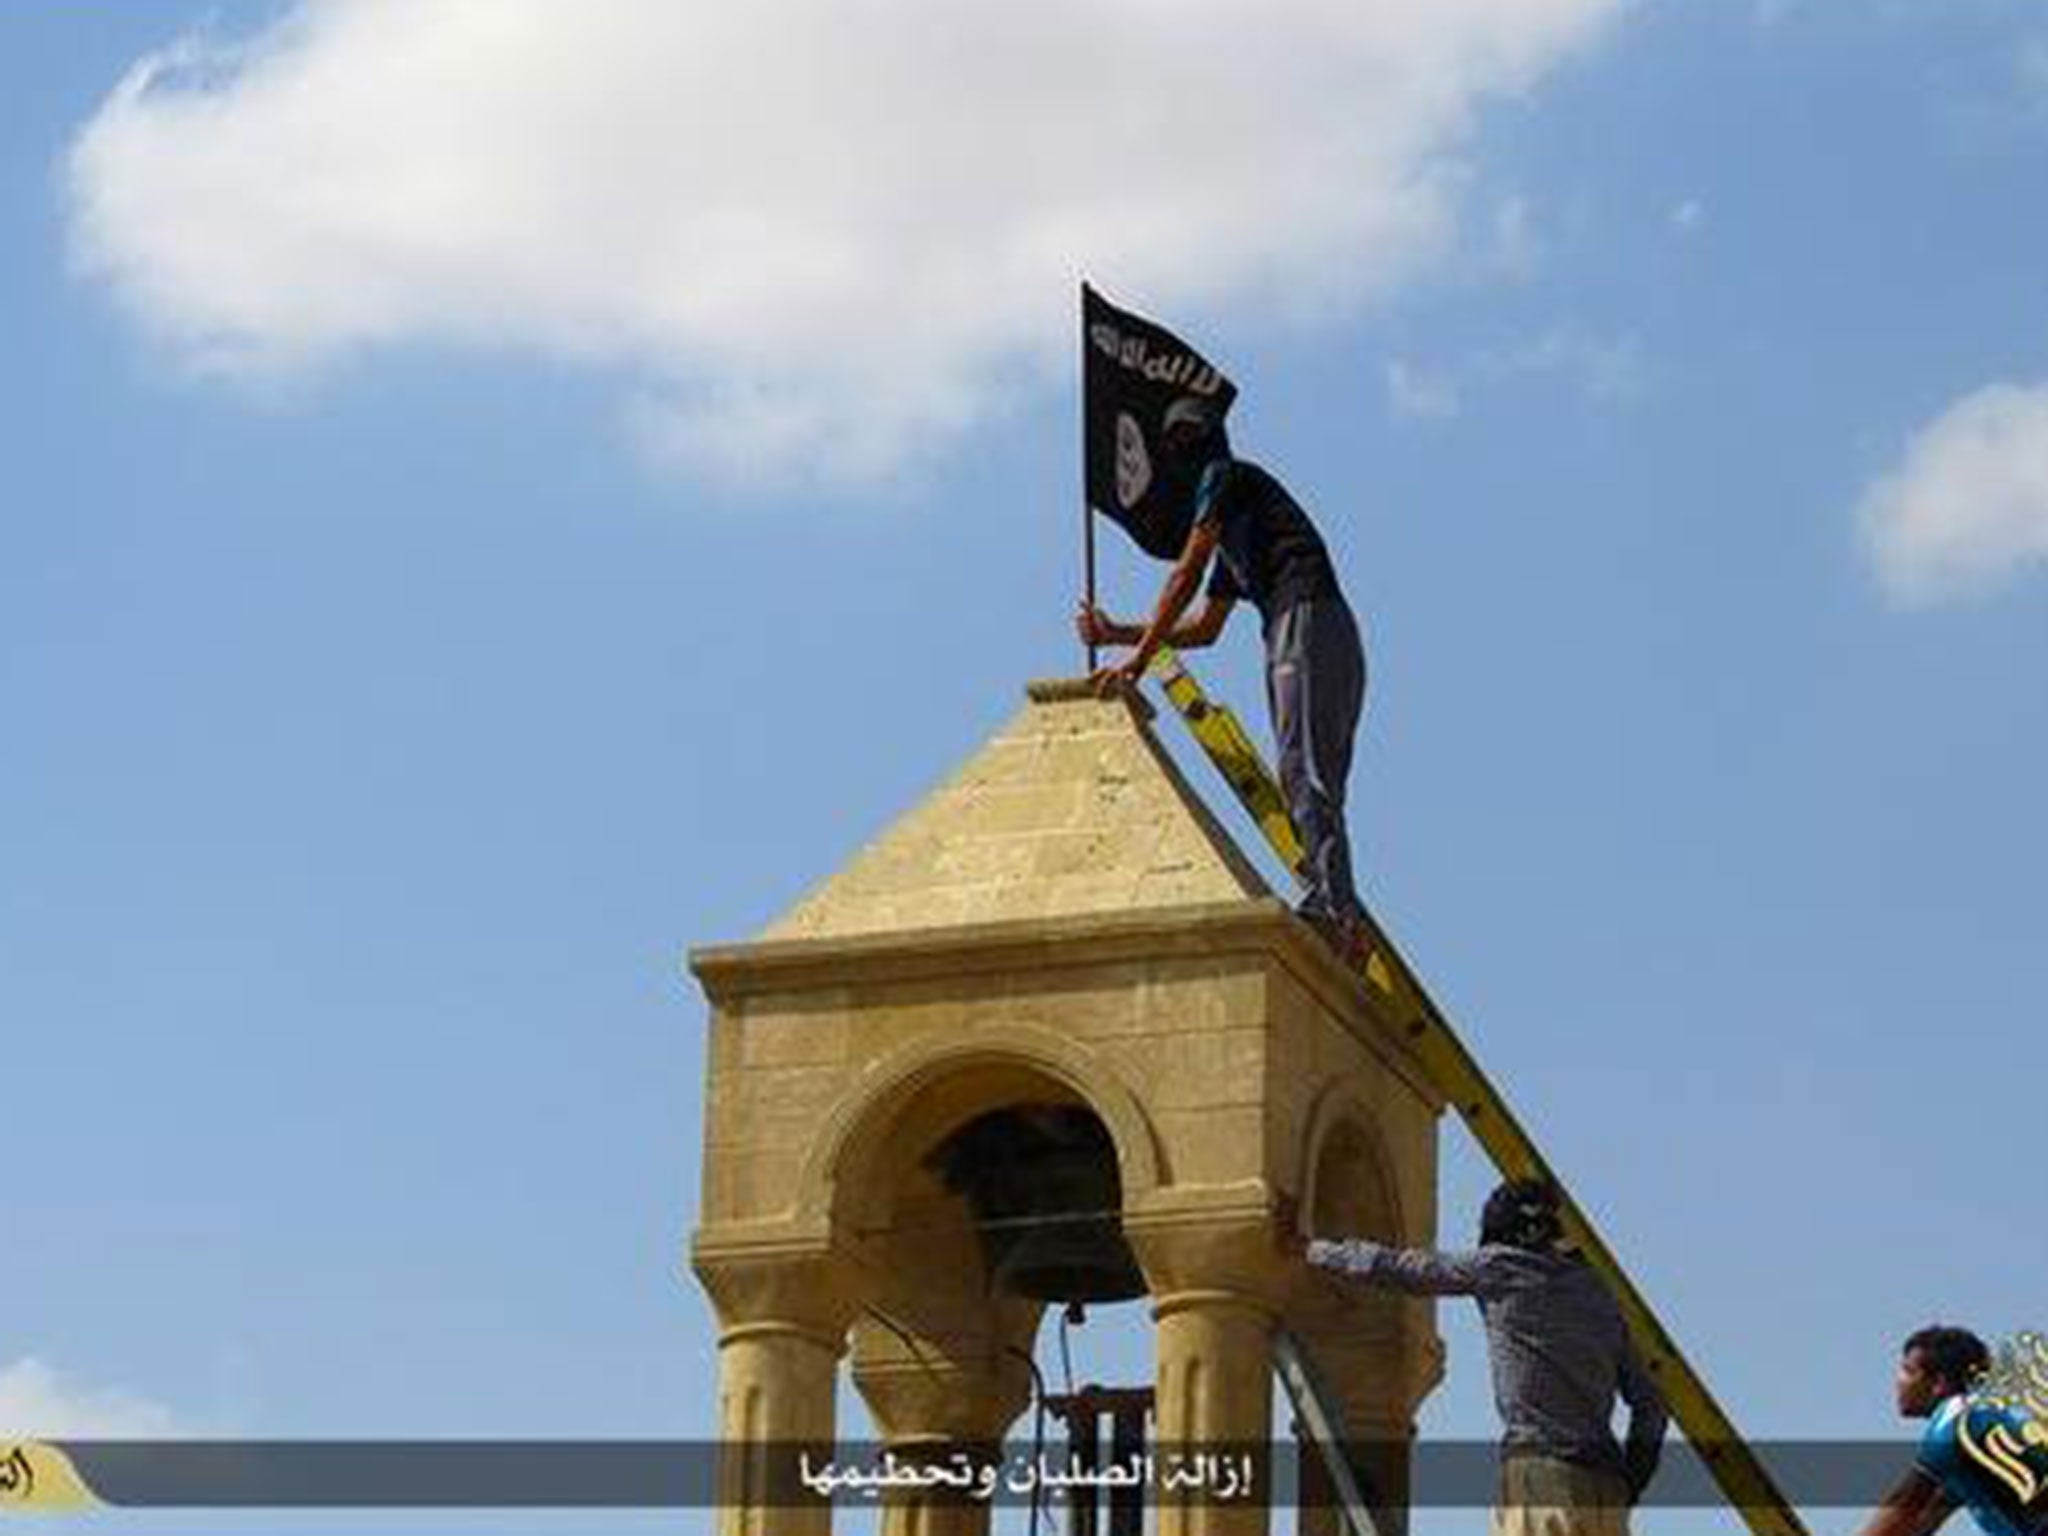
<point>1217,1283</point>
<point>1379,1458</point>
<point>946,1402</point>
<point>1377,1358</point>
<point>782,1329</point>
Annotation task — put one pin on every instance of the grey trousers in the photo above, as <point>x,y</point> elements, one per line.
<point>1315,686</point>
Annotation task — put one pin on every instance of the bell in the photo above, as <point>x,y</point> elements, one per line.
<point>1040,1181</point>
<point>1077,1261</point>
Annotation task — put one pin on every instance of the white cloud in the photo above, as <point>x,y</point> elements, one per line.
<point>1518,249</point>
<point>1688,216</point>
<point>808,234</point>
<point>1605,371</point>
<point>38,1402</point>
<point>1968,503</point>
<point>1413,395</point>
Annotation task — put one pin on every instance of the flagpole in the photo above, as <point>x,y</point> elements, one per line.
<point>1087,507</point>
<point>1088,556</point>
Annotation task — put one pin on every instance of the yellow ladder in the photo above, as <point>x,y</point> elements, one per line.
<point>1428,1034</point>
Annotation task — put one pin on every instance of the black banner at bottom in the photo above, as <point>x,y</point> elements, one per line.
<point>628,1474</point>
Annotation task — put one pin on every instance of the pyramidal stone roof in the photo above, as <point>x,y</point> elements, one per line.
<point>1072,808</point>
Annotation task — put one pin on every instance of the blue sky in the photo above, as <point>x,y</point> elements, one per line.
<point>472,531</point>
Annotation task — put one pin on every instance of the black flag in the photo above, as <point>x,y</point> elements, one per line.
<point>1132,373</point>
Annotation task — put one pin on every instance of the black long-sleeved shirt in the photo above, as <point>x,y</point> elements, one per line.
<point>1559,1349</point>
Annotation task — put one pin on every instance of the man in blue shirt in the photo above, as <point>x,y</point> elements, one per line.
<point>1560,1355</point>
<point>1265,549</point>
<point>1977,1450</point>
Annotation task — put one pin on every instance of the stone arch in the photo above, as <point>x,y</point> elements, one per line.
<point>908,1100</point>
<point>1347,1186</point>
<point>1378,1350</point>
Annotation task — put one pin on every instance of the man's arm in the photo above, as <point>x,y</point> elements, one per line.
<point>1415,1271</point>
<point>1097,628</point>
<point>1915,1506</point>
<point>1205,626</point>
<point>1181,585</point>
<point>1647,1418</point>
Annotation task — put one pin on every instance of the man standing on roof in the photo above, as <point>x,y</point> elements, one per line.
<point>1264,548</point>
<point>1977,1450</point>
<point>1560,1354</point>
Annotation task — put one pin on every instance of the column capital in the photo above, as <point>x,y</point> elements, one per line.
<point>1218,1256</point>
<point>947,1391</point>
<point>1393,1356</point>
<point>809,1289</point>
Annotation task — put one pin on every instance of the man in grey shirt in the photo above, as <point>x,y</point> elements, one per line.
<point>1560,1354</point>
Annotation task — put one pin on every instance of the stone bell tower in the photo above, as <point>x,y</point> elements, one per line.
<point>1049,1037</point>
